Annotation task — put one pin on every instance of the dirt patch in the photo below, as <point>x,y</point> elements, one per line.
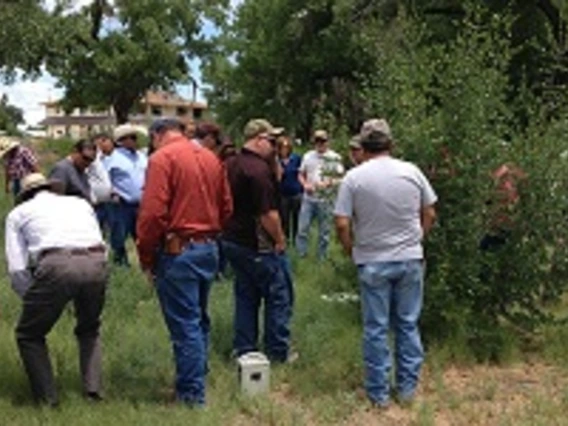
<point>481,395</point>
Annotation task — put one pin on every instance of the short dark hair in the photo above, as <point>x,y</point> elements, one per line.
<point>205,129</point>
<point>164,124</point>
<point>83,144</point>
<point>376,142</point>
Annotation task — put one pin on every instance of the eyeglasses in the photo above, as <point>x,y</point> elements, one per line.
<point>320,140</point>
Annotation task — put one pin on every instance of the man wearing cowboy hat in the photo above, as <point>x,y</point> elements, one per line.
<point>127,169</point>
<point>19,161</point>
<point>55,254</point>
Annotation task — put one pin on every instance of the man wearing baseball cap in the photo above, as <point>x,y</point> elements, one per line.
<point>319,173</point>
<point>254,243</point>
<point>388,206</point>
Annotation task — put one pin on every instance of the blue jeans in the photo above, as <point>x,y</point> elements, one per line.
<point>258,277</point>
<point>183,284</point>
<point>122,224</point>
<point>314,209</point>
<point>391,297</point>
<point>103,212</point>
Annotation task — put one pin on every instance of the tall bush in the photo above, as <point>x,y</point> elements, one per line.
<point>453,114</point>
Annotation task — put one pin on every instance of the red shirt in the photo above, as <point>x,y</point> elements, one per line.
<point>186,191</point>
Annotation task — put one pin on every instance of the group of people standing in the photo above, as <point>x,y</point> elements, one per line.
<point>197,198</point>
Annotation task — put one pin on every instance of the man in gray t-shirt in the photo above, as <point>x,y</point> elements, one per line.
<point>389,206</point>
<point>72,170</point>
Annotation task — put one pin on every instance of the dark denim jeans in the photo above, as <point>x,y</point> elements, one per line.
<point>123,223</point>
<point>183,284</point>
<point>391,298</point>
<point>103,212</point>
<point>258,277</point>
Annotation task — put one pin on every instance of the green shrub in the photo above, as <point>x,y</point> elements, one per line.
<point>453,114</point>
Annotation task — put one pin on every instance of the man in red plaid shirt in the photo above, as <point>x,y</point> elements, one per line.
<point>19,161</point>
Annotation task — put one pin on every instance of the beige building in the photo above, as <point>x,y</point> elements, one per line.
<point>83,122</point>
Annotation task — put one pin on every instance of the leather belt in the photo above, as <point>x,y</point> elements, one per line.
<point>176,243</point>
<point>75,251</point>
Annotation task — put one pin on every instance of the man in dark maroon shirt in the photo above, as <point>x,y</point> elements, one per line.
<point>254,243</point>
<point>186,200</point>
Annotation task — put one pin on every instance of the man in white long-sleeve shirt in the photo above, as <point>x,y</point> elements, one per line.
<point>55,253</point>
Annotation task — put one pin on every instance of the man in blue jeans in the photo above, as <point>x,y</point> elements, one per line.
<point>127,170</point>
<point>254,243</point>
<point>319,174</point>
<point>388,204</point>
<point>186,200</point>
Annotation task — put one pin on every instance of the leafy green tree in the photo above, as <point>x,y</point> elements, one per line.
<point>451,109</point>
<point>26,37</point>
<point>118,50</point>
<point>287,60</point>
<point>10,116</point>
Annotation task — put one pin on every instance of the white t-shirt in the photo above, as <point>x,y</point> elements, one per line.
<point>321,168</point>
<point>384,197</point>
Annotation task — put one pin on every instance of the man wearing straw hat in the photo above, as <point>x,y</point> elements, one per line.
<point>55,254</point>
<point>127,170</point>
<point>19,161</point>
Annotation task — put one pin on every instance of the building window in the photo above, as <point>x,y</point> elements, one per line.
<point>197,113</point>
<point>156,111</point>
<point>181,111</point>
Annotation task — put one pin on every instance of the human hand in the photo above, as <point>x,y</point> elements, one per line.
<point>280,246</point>
<point>309,188</point>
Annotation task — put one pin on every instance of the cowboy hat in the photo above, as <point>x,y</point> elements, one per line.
<point>6,144</point>
<point>35,181</point>
<point>128,130</point>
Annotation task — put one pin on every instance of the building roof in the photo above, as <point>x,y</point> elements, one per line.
<point>161,98</point>
<point>79,120</point>
<point>87,120</point>
<point>156,98</point>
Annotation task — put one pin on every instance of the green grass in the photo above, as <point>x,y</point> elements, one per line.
<point>323,387</point>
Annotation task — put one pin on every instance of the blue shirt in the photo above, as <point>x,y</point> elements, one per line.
<point>290,185</point>
<point>127,171</point>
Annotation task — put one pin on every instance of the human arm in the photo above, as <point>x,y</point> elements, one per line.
<point>427,210</point>
<point>427,219</point>
<point>303,176</point>
<point>343,213</point>
<point>153,213</point>
<point>270,221</point>
<point>17,255</point>
<point>343,229</point>
<point>225,199</point>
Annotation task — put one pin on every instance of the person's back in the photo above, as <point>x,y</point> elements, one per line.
<point>55,254</point>
<point>196,177</point>
<point>60,215</point>
<point>387,199</point>
<point>186,199</point>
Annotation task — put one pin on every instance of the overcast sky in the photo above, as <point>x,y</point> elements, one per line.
<point>28,95</point>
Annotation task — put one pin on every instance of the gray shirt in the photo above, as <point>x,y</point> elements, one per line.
<point>384,198</point>
<point>75,182</point>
